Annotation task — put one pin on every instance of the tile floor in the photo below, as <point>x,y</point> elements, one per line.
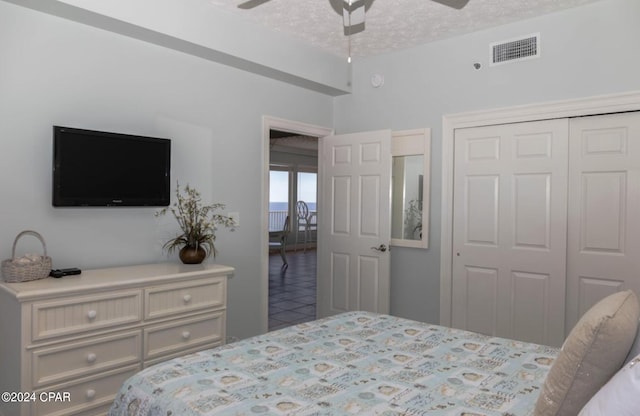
<point>292,291</point>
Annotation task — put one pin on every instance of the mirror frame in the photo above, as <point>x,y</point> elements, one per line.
<point>410,143</point>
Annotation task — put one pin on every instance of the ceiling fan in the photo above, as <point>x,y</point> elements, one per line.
<point>353,11</point>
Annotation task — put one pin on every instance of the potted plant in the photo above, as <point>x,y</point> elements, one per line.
<point>198,223</point>
<point>413,220</point>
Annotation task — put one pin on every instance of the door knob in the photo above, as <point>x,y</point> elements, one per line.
<point>381,248</point>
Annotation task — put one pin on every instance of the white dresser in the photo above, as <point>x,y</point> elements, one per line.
<point>66,345</point>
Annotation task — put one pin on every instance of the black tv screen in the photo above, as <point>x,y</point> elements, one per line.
<point>96,168</point>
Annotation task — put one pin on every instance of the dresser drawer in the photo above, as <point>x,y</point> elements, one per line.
<point>84,394</point>
<point>87,313</point>
<point>73,360</point>
<point>179,335</point>
<point>172,299</point>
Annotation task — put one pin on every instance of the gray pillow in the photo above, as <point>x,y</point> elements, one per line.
<point>593,352</point>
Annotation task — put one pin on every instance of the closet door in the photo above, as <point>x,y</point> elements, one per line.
<point>603,254</point>
<point>509,236</point>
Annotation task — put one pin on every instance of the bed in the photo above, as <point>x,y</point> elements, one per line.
<point>352,363</point>
<point>370,364</point>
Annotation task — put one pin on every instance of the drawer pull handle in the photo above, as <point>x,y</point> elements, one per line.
<point>91,357</point>
<point>186,335</point>
<point>186,298</point>
<point>91,393</point>
<point>92,314</point>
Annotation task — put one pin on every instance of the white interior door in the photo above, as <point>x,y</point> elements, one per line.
<point>604,210</point>
<point>353,253</point>
<point>509,230</point>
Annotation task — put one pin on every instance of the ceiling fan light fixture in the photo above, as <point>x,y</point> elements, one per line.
<point>354,17</point>
<point>351,5</point>
<point>353,13</point>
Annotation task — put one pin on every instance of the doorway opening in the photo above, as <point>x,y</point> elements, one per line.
<point>301,129</point>
<point>292,222</point>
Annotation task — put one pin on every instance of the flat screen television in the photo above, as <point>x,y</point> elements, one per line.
<point>101,169</point>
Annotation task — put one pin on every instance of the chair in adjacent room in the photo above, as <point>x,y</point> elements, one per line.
<point>306,222</point>
<point>279,241</point>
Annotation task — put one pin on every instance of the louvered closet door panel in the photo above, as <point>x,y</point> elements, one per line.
<point>604,210</point>
<point>510,230</point>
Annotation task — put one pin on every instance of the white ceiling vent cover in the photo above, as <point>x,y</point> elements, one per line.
<point>513,50</point>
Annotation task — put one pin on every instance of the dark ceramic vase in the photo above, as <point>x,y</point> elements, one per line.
<point>192,255</point>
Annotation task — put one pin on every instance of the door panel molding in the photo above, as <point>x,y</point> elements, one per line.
<point>604,230</point>
<point>533,112</point>
<point>522,207</point>
<point>352,273</point>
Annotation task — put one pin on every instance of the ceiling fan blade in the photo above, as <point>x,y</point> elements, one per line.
<point>456,4</point>
<point>251,4</point>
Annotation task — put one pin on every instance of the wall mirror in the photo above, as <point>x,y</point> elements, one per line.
<point>410,151</point>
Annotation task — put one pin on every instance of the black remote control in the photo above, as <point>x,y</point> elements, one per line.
<point>56,273</point>
<point>64,272</point>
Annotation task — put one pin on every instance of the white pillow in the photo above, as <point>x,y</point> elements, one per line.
<point>620,396</point>
<point>635,348</point>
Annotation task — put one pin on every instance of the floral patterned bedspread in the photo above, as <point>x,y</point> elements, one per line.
<point>353,363</point>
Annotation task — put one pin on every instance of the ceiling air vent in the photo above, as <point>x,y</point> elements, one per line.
<point>526,47</point>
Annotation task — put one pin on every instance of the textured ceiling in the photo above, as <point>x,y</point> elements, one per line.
<point>390,24</point>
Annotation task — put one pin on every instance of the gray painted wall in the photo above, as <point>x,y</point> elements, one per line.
<point>587,51</point>
<point>54,71</point>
